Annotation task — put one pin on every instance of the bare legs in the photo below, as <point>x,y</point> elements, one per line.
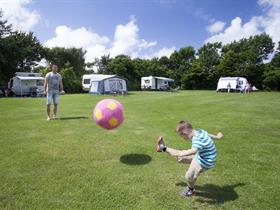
<point>55,109</point>
<point>49,110</point>
<point>194,169</point>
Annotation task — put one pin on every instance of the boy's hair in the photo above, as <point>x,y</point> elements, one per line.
<point>183,126</point>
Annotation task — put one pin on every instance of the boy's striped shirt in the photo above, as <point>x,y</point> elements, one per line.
<point>206,150</point>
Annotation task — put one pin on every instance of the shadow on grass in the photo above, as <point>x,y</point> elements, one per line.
<point>213,194</point>
<point>70,118</point>
<point>135,159</point>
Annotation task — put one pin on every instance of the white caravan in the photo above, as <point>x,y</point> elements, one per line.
<point>27,84</point>
<point>236,83</point>
<point>156,83</point>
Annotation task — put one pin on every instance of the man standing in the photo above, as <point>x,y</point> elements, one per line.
<point>53,85</point>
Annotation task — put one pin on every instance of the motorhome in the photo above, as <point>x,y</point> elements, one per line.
<point>156,83</point>
<point>27,84</point>
<point>236,83</point>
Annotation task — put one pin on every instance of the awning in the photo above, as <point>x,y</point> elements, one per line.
<point>30,78</point>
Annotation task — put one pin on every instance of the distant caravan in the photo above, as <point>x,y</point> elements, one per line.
<point>27,84</point>
<point>237,84</point>
<point>156,83</point>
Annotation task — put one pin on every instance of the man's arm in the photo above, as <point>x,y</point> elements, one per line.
<point>218,136</point>
<point>61,86</point>
<point>45,84</point>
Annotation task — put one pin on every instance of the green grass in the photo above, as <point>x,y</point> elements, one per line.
<point>74,164</point>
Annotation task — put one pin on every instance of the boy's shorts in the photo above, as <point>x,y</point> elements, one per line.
<point>51,96</point>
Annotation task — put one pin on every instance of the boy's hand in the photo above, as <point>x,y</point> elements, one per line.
<point>220,135</point>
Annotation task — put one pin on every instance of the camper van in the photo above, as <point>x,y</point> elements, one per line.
<point>27,84</point>
<point>156,83</point>
<point>104,84</point>
<point>236,83</point>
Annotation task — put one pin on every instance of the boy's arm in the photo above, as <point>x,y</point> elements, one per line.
<point>218,136</point>
<point>61,85</point>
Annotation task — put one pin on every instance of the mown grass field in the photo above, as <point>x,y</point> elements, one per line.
<point>73,164</point>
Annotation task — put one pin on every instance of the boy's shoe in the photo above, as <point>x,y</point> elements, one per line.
<point>187,192</point>
<point>54,117</point>
<point>48,118</point>
<point>160,144</point>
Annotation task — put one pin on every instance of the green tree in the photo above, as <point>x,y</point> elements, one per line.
<point>19,51</point>
<point>245,58</point>
<point>71,82</point>
<point>72,56</point>
<point>122,65</point>
<point>271,77</point>
<point>102,64</point>
<point>276,58</point>
<point>180,63</point>
<point>209,58</point>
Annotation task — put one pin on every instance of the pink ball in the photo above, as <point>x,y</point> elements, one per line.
<point>108,114</point>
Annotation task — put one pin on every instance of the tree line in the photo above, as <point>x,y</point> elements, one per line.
<point>253,58</point>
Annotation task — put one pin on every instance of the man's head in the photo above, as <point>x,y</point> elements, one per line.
<point>184,129</point>
<point>54,68</point>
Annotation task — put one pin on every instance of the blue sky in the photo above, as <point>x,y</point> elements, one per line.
<point>142,28</point>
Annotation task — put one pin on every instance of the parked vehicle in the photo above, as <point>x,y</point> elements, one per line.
<point>156,83</point>
<point>27,84</point>
<point>236,83</point>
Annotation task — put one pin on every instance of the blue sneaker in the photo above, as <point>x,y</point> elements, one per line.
<point>160,144</point>
<point>187,192</point>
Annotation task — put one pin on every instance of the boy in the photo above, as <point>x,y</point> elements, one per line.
<point>201,156</point>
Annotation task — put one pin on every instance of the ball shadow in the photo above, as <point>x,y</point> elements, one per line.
<point>71,118</point>
<point>135,159</point>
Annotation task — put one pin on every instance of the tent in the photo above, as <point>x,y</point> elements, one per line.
<point>107,84</point>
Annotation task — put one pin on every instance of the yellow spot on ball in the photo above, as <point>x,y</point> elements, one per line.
<point>98,114</point>
<point>113,121</point>
<point>112,105</point>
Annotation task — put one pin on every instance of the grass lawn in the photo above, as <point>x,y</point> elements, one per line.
<point>73,164</point>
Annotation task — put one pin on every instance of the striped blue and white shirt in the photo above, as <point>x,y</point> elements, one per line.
<point>206,150</point>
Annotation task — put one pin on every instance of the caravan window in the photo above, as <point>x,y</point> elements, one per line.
<point>240,82</point>
<point>115,85</point>
<point>147,81</point>
<point>39,82</point>
<point>86,81</point>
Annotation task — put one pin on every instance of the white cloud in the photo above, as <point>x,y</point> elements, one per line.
<point>216,27</point>
<point>164,52</point>
<point>16,13</point>
<point>126,41</point>
<point>269,23</point>
<point>236,31</point>
<point>94,44</point>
